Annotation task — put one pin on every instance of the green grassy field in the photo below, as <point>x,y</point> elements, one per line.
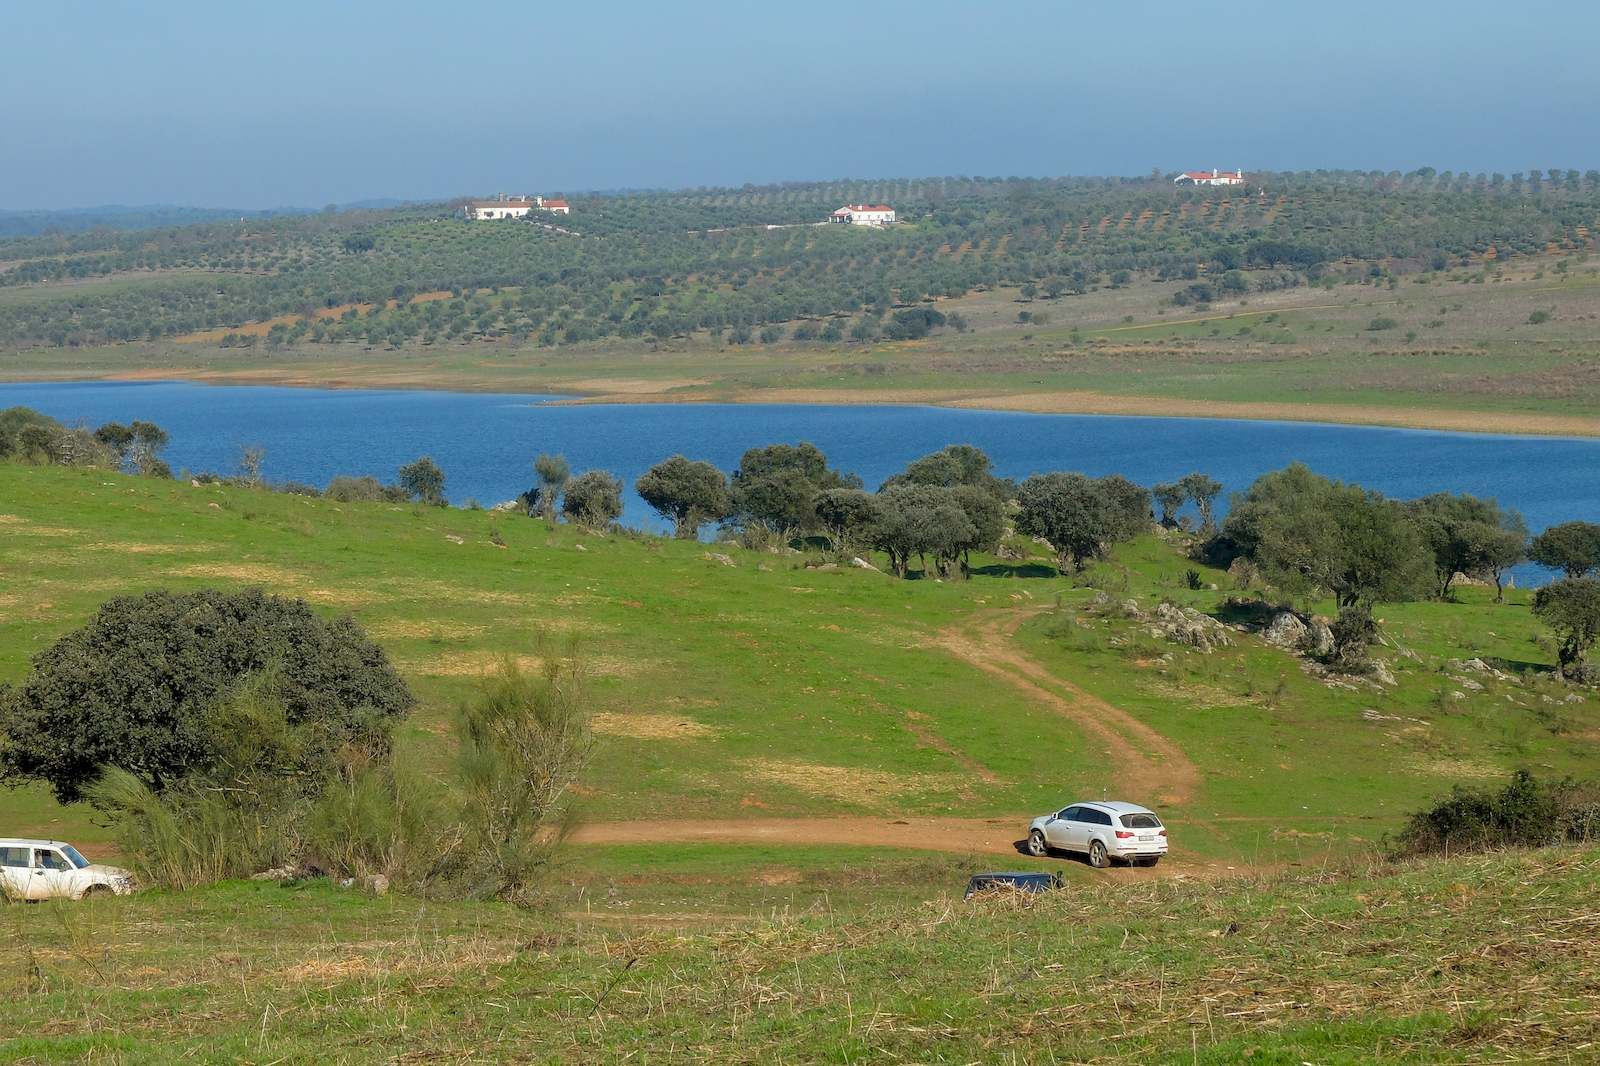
<point>797,769</point>
<point>1465,960</point>
<point>768,689</point>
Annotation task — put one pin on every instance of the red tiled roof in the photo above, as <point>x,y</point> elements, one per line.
<point>555,203</point>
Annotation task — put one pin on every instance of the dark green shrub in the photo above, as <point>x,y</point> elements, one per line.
<point>1526,812</point>
<point>139,686</point>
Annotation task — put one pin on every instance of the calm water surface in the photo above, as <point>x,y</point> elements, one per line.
<point>486,441</point>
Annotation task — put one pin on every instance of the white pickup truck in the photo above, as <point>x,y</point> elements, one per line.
<point>35,870</point>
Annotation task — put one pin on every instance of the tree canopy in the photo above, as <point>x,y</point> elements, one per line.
<point>1309,534</point>
<point>1571,607</point>
<point>1470,536</point>
<point>136,686</point>
<point>688,493</point>
<point>1571,547</point>
<point>1081,516</point>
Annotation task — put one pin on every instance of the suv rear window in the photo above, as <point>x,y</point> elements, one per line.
<point>1141,821</point>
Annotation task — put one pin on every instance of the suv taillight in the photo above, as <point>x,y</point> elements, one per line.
<point>1163,832</point>
<point>1123,834</point>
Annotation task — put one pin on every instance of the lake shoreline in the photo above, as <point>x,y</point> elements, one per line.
<point>1058,402</point>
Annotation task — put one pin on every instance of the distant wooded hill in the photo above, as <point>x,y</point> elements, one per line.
<point>664,264</point>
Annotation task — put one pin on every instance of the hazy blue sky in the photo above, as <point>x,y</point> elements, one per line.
<point>305,102</point>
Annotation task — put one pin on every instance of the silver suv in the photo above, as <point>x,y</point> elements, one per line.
<point>1104,830</point>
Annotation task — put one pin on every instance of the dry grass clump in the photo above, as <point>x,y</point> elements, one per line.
<point>853,784</point>
<point>651,726</point>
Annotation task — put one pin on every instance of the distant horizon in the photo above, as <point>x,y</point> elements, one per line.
<point>386,201</point>
<point>306,103</point>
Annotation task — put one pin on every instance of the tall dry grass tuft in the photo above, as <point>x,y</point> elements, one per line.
<point>523,741</point>
<point>193,834</point>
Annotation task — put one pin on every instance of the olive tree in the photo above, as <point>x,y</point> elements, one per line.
<point>1203,490</point>
<point>1470,536</point>
<point>686,492</point>
<point>922,520</point>
<point>138,686</point>
<point>1571,547</point>
<point>776,487</point>
<point>553,474</point>
<point>957,464</point>
<point>1081,516</point>
<point>1571,607</point>
<point>1170,497</point>
<point>849,516</point>
<point>424,480</point>
<point>593,499</point>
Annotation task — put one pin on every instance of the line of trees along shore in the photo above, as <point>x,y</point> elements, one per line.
<point>1303,535</point>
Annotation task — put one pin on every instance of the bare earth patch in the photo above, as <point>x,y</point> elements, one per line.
<point>257,573</point>
<point>483,663</point>
<point>650,726</point>
<point>853,784</point>
<point>417,629</point>
<point>632,386</point>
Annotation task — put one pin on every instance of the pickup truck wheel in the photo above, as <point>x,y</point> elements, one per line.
<point>1036,844</point>
<point>1098,857</point>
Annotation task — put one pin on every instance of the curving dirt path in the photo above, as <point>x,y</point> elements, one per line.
<point>1144,762</point>
<point>964,836</point>
<point>995,836</point>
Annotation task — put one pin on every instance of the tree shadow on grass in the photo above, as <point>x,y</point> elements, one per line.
<point>1016,570</point>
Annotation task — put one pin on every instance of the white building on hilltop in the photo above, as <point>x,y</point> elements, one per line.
<point>864,215</point>
<point>1216,177</point>
<point>504,206</point>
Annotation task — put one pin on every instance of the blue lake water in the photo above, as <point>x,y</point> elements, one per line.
<point>485,442</point>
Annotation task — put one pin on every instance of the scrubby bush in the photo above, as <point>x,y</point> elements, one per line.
<point>1525,812</point>
<point>522,742</point>
<point>365,489</point>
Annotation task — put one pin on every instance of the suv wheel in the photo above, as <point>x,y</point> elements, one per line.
<point>1036,844</point>
<point>1098,857</point>
<point>96,891</point>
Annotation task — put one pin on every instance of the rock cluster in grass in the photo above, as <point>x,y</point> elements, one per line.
<point>1185,625</point>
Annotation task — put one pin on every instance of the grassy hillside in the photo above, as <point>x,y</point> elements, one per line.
<point>797,770</point>
<point>1466,960</point>
<point>756,700</point>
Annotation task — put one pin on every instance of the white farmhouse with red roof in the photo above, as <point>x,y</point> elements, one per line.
<point>1216,177</point>
<point>864,215</point>
<point>504,206</point>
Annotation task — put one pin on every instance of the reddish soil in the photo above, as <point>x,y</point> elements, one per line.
<point>1147,763</point>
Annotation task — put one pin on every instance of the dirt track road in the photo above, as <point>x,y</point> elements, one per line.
<point>1145,762</point>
